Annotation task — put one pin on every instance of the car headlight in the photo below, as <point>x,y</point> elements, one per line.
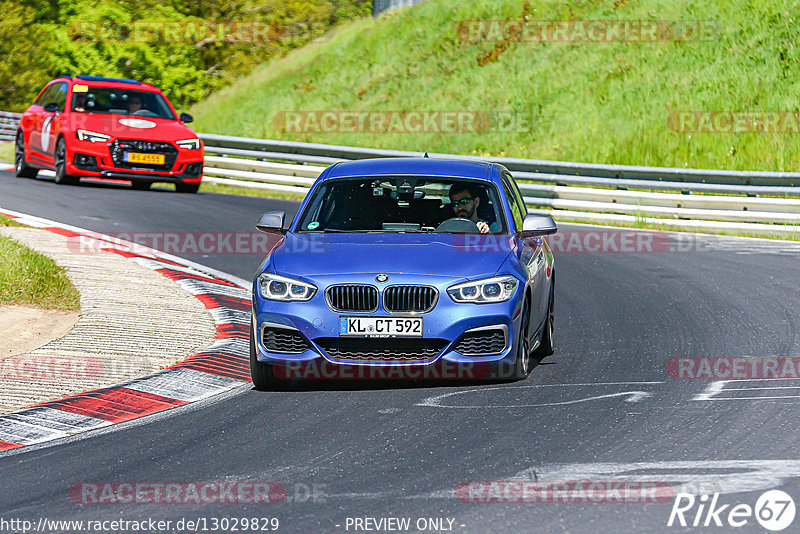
<point>189,144</point>
<point>495,289</point>
<point>283,288</point>
<point>94,137</point>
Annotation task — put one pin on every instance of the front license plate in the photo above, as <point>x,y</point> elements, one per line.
<point>150,159</point>
<point>380,326</point>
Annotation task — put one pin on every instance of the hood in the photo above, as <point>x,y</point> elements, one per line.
<point>131,127</point>
<point>455,256</point>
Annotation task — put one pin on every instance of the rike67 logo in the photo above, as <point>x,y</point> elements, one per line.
<point>774,510</point>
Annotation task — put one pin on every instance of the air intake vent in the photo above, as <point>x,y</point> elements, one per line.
<point>284,340</point>
<point>482,342</point>
<point>381,349</point>
<point>352,298</point>
<point>409,298</point>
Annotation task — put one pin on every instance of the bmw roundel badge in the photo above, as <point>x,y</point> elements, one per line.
<point>381,278</point>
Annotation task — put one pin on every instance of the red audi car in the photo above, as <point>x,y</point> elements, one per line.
<point>89,126</point>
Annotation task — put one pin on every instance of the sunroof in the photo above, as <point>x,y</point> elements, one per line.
<point>103,79</point>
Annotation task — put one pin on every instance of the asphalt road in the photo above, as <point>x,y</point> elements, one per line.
<point>602,408</point>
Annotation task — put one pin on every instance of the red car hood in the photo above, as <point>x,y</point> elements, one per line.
<point>131,127</point>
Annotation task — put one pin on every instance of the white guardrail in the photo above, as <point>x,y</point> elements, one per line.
<point>692,199</point>
<point>8,125</point>
<point>748,202</point>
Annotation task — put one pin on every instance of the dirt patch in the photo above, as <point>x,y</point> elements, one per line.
<point>24,328</point>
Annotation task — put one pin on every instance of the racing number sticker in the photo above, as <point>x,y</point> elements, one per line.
<point>45,135</point>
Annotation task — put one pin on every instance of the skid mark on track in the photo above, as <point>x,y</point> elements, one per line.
<point>438,401</point>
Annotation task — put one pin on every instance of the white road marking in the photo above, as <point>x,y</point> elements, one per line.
<point>633,396</point>
<point>718,387</point>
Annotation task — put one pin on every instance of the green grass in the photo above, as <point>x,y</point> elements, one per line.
<point>30,278</point>
<point>7,151</point>
<point>208,187</point>
<point>5,221</point>
<point>591,102</point>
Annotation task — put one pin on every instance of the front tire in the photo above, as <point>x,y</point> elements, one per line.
<point>21,168</point>
<point>262,374</point>
<point>60,162</point>
<point>522,364</point>
<point>187,188</point>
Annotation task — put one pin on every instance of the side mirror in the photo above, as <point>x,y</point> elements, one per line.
<point>52,107</point>
<point>271,222</point>
<point>185,117</point>
<point>537,225</point>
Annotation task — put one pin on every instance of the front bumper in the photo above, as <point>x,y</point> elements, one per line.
<point>443,327</point>
<point>89,159</point>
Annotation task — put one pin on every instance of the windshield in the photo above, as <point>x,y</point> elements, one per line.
<point>120,102</point>
<point>404,204</point>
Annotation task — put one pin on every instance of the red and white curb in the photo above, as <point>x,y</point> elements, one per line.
<point>6,167</point>
<point>223,366</point>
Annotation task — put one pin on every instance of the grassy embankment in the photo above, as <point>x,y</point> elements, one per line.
<point>602,102</point>
<point>30,278</point>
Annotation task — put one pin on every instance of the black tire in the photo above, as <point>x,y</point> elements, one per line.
<point>546,346</point>
<point>21,168</point>
<point>141,186</point>
<point>262,374</point>
<point>60,163</point>
<point>522,363</point>
<point>186,188</point>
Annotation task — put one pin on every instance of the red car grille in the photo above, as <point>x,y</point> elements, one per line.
<point>120,146</point>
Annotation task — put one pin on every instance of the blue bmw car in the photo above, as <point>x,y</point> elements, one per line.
<point>427,267</point>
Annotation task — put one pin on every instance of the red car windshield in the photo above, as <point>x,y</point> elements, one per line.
<point>120,102</point>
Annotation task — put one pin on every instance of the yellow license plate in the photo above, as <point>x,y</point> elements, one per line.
<point>150,159</point>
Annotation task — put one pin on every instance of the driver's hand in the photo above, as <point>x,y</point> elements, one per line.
<point>483,227</point>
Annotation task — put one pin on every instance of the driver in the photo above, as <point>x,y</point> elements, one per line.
<point>465,200</point>
<point>134,104</point>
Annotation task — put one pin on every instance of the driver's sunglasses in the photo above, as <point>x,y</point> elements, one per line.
<point>462,202</point>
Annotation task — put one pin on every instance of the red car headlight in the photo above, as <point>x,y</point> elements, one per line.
<point>94,137</point>
<point>189,144</point>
